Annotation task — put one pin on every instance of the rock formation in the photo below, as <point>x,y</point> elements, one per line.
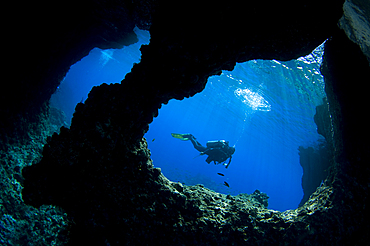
<point>99,171</point>
<point>316,161</point>
<point>355,22</point>
<point>315,164</point>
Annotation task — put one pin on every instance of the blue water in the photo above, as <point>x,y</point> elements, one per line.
<point>264,108</point>
<point>100,66</point>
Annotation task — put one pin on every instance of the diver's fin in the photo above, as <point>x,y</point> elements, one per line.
<point>183,137</point>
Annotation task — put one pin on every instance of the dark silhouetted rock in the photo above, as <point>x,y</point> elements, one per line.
<point>99,171</point>
<point>315,163</point>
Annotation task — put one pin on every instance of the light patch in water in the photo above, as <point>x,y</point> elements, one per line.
<point>106,56</point>
<point>252,99</point>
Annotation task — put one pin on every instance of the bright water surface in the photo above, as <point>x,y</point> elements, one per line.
<point>264,108</point>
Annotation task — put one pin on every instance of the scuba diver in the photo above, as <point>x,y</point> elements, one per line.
<point>217,151</point>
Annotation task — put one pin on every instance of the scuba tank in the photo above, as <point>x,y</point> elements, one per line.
<point>216,144</point>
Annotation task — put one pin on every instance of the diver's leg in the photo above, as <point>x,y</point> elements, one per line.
<point>197,145</point>
<point>209,159</point>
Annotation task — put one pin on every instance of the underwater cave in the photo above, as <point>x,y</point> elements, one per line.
<point>233,106</point>
<point>95,179</point>
<point>266,110</point>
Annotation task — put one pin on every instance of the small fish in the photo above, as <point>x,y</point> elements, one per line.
<point>153,139</point>
<point>221,174</point>
<point>226,184</point>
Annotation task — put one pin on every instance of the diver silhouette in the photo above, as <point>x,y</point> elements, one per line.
<point>217,151</point>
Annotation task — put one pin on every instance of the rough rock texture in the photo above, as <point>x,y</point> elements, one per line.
<point>356,23</point>
<point>345,69</point>
<point>99,171</point>
<point>22,224</point>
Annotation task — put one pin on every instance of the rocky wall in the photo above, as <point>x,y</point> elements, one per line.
<point>100,173</point>
<point>315,164</point>
<point>345,70</point>
<point>316,161</point>
<point>44,39</point>
<point>355,22</point>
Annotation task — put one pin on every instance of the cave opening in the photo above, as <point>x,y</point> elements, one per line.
<point>97,200</point>
<point>265,108</point>
<point>100,66</point>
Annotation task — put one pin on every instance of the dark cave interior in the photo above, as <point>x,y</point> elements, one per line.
<point>98,173</point>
